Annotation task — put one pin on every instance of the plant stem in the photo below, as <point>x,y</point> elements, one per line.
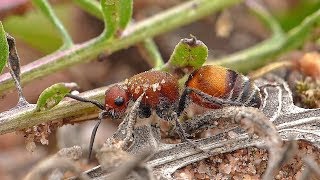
<point>265,52</point>
<point>47,10</point>
<point>91,7</point>
<point>66,111</point>
<point>149,50</point>
<point>251,58</point>
<point>160,23</point>
<point>147,47</point>
<point>261,12</point>
<point>269,68</point>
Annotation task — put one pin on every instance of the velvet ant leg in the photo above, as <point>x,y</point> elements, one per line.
<point>182,133</point>
<point>131,120</point>
<point>215,100</point>
<point>183,101</point>
<point>179,129</point>
<point>205,96</point>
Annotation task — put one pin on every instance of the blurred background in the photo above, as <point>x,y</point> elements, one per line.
<point>224,33</point>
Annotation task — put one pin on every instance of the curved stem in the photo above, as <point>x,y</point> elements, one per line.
<point>149,50</point>
<point>266,51</point>
<point>91,7</point>
<point>45,8</point>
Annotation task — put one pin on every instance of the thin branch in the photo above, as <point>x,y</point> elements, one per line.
<point>68,111</point>
<point>163,22</point>
<point>269,68</point>
<point>47,10</point>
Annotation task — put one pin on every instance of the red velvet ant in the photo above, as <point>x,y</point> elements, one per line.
<point>209,86</point>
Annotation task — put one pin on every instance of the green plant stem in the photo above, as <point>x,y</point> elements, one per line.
<point>45,8</point>
<point>298,34</point>
<point>264,16</point>
<point>91,7</point>
<point>148,48</point>
<point>160,23</point>
<point>265,52</point>
<point>253,57</point>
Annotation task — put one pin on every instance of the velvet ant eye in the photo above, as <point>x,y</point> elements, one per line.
<point>119,101</point>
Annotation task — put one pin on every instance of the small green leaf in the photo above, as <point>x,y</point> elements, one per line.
<point>51,96</point>
<point>4,48</point>
<point>125,13</point>
<point>189,53</point>
<point>110,10</point>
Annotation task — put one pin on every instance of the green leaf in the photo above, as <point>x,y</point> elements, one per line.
<point>51,96</point>
<point>125,13</point>
<point>4,48</point>
<point>110,10</point>
<point>189,53</point>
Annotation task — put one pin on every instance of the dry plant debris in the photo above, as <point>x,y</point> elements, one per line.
<point>308,92</point>
<point>55,166</point>
<point>247,163</point>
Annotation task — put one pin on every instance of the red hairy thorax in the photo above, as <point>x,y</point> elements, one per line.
<point>160,88</point>
<point>157,85</point>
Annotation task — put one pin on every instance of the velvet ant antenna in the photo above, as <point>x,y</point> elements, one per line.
<point>81,99</point>
<point>94,131</point>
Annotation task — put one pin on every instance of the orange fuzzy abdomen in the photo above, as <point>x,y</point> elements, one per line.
<point>212,80</point>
